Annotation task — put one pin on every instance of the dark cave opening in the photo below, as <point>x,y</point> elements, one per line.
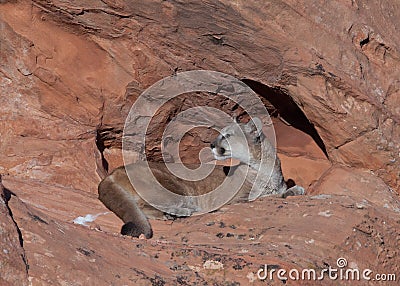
<point>288,110</point>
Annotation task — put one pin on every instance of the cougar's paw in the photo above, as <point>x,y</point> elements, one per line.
<point>132,229</point>
<point>181,212</point>
<point>294,191</point>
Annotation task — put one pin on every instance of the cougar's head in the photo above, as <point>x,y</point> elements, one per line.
<point>238,140</point>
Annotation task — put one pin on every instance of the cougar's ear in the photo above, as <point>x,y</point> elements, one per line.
<point>254,126</point>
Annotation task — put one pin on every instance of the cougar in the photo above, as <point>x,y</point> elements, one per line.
<point>243,141</point>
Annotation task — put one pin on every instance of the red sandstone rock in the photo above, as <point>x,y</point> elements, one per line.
<point>70,71</point>
<point>301,232</point>
<point>13,266</point>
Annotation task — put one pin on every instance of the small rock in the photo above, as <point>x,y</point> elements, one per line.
<point>325,213</point>
<point>213,265</point>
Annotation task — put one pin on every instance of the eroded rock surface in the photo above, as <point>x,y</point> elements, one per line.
<point>13,266</point>
<point>309,232</point>
<point>70,71</point>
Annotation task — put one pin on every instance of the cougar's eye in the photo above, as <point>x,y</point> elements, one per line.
<point>227,136</point>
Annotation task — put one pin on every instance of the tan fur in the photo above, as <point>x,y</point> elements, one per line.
<point>247,143</point>
<point>117,193</point>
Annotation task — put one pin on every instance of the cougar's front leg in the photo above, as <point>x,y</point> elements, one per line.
<point>122,200</point>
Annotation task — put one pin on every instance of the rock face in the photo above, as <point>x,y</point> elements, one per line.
<point>71,70</point>
<point>13,265</point>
